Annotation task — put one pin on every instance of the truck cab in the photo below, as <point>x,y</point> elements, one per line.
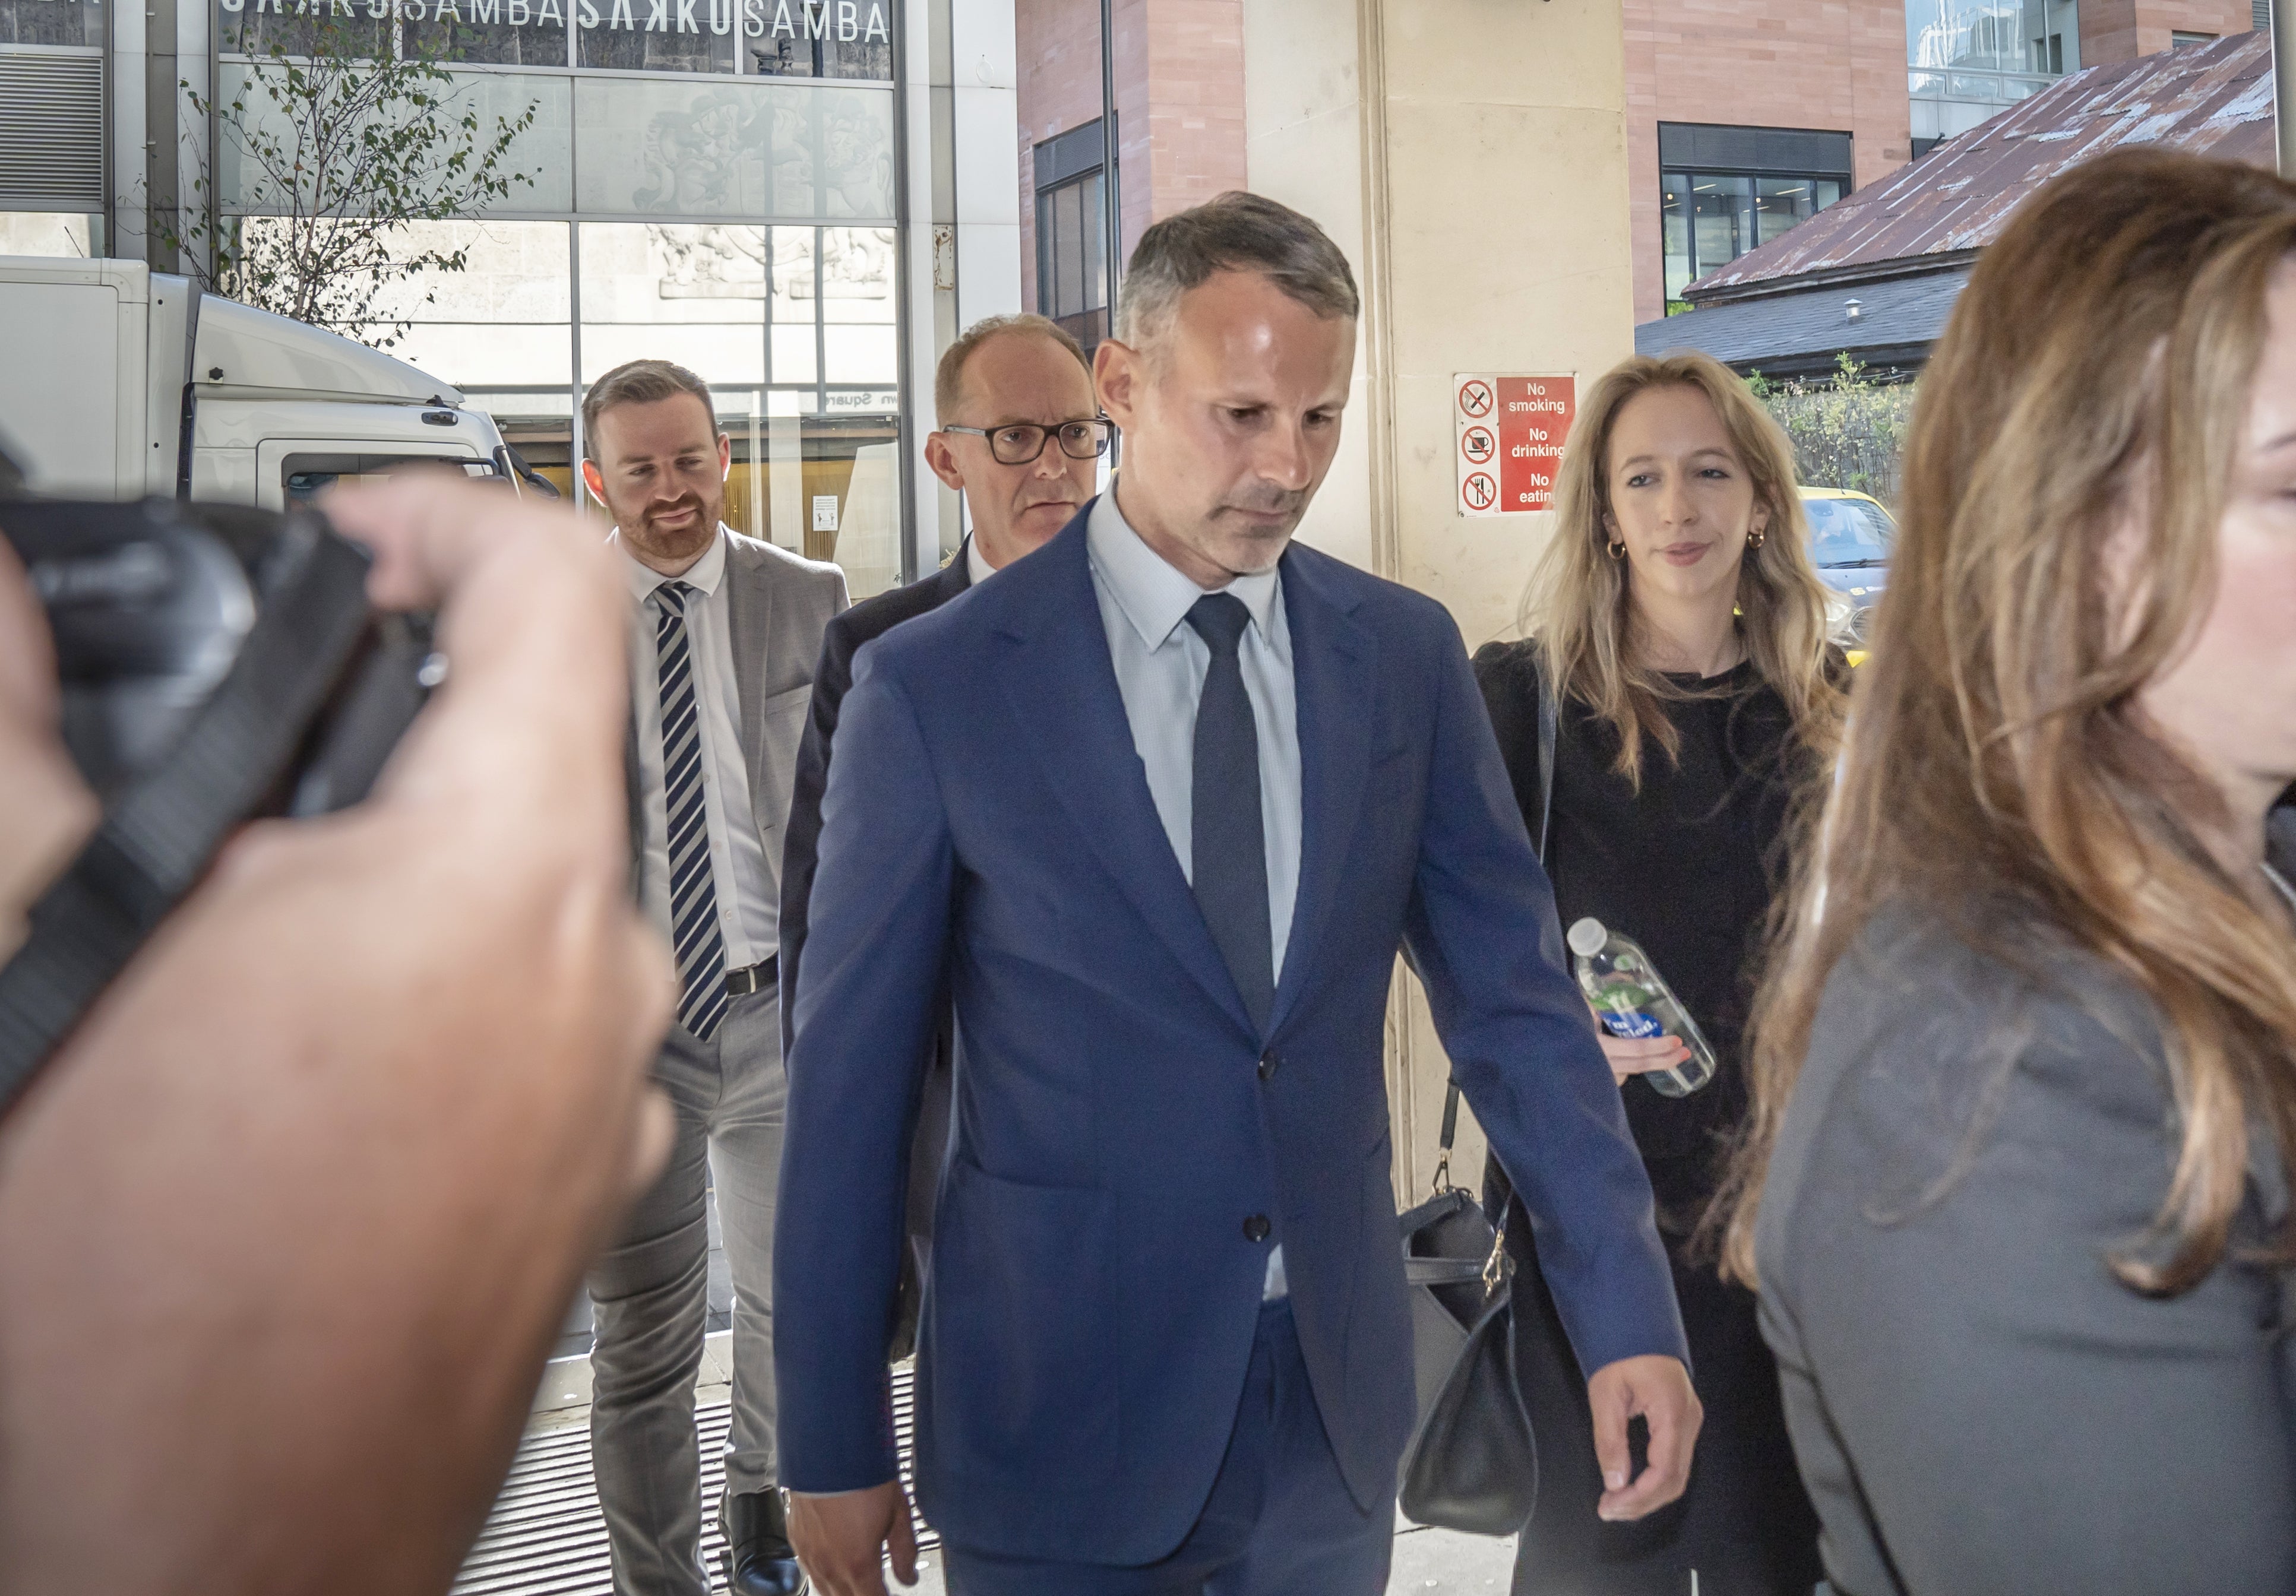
<point>122,382</point>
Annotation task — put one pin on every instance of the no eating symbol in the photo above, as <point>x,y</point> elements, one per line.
<point>1475,398</point>
<point>1480,490</point>
<point>1478,444</point>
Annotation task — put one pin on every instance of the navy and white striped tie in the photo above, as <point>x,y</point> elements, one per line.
<point>693,893</point>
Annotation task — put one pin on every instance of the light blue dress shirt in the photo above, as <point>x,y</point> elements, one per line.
<point>1160,665</point>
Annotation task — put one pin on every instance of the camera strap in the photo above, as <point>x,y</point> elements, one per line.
<point>161,830</point>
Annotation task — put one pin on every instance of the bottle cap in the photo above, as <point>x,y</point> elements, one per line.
<point>1587,937</point>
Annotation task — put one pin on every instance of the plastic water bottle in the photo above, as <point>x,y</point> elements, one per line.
<point>1632,999</point>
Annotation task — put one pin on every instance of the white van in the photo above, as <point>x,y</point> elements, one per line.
<point>119,382</point>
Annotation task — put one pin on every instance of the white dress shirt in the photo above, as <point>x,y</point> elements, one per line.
<point>1161,666</point>
<point>749,917</point>
<point>977,568</point>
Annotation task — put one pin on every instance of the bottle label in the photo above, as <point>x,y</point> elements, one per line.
<point>1633,1023</point>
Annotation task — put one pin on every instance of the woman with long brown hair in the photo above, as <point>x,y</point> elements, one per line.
<point>1676,697</point>
<point>2026,1068</point>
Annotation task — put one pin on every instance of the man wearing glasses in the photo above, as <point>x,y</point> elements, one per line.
<point>1020,438</point>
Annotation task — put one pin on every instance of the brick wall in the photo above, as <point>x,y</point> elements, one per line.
<point>1838,65</point>
<point>2114,30</point>
<point>1179,101</point>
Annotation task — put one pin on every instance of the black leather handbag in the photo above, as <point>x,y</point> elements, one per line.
<point>1472,1462</point>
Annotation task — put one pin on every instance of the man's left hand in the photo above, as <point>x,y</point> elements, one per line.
<point>1659,1389</point>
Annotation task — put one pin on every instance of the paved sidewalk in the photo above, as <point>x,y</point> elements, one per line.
<point>1425,1561</point>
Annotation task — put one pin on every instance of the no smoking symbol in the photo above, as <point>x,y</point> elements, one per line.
<point>1478,444</point>
<point>1475,398</point>
<point>1481,491</point>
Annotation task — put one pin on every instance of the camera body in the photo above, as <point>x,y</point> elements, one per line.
<point>218,665</point>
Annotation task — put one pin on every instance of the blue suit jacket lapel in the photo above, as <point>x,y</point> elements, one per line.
<point>1335,669</point>
<point>1061,685</point>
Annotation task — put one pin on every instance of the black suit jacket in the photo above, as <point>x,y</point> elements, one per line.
<point>864,622</point>
<point>870,619</point>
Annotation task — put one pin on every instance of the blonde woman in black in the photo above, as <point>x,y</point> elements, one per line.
<point>1677,696</point>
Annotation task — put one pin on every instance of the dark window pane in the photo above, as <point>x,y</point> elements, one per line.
<point>1674,229</point>
<point>262,26</point>
<point>668,35</point>
<point>1067,249</point>
<point>51,22</point>
<point>525,33</point>
<point>1095,245</point>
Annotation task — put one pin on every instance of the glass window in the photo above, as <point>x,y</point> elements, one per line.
<point>818,38</point>
<point>695,294</point>
<point>660,36</point>
<point>1993,36</point>
<point>1708,219</point>
<point>542,153</point>
<point>293,28</point>
<point>1673,228</point>
<point>501,321</point>
<point>51,22</point>
<point>1073,257</point>
<point>733,149</point>
<point>857,342</point>
<point>51,233</point>
<point>517,33</point>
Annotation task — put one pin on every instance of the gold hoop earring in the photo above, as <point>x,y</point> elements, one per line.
<point>1754,538</point>
<point>1616,550</point>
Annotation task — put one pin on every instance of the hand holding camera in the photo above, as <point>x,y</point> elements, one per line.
<point>335,1147</point>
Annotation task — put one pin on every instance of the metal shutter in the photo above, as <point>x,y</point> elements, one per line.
<point>2260,12</point>
<point>51,132</point>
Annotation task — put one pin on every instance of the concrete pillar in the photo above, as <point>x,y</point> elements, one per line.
<point>1470,160</point>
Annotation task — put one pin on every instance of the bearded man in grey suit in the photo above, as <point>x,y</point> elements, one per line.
<point>726,631</point>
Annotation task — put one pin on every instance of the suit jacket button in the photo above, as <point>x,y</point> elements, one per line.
<point>1267,1062</point>
<point>1255,1229</point>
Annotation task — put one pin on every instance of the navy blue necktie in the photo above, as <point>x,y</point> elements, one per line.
<point>692,890</point>
<point>1227,838</point>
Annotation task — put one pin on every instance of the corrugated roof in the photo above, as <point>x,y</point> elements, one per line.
<point>2210,99</point>
<point>1802,333</point>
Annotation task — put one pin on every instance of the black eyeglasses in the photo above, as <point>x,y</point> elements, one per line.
<point>1020,443</point>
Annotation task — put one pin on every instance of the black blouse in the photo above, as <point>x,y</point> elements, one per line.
<point>1688,865</point>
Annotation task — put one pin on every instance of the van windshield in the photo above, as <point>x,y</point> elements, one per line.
<point>1848,532</point>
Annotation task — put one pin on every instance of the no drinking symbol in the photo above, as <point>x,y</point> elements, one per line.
<point>1478,444</point>
<point>1481,491</point>
<point>1475,398</point>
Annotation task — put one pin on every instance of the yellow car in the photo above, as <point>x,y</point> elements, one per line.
<point>1850,535</point>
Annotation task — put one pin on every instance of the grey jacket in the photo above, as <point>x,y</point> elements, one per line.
<point>1978,1405</point>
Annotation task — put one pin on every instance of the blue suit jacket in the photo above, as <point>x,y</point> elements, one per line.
<point>1094,1292</point>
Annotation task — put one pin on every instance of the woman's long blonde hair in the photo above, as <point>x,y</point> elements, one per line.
<point>2091,388</point>
<point>1577,607</point>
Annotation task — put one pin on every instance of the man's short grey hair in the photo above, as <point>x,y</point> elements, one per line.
<point>1238,232</point>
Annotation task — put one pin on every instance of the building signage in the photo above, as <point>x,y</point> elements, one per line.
<point>846,22</point>
<point>1507,436</point>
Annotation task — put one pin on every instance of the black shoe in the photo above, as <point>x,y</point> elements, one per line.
<point>759,1560</point>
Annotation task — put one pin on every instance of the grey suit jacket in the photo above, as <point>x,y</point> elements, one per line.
<point>1977,1404</point>
<point>779,605</point>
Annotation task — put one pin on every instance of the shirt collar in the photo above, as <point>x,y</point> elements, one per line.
<point>704,573</point>
<point>977,568</point>
<point>1154,595</point>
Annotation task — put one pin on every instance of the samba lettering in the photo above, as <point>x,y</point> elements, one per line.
<point>845,21</point>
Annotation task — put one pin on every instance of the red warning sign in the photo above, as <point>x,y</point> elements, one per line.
<point>1517,424</point>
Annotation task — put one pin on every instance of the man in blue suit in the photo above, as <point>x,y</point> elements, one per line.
<point>1157,806</point>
